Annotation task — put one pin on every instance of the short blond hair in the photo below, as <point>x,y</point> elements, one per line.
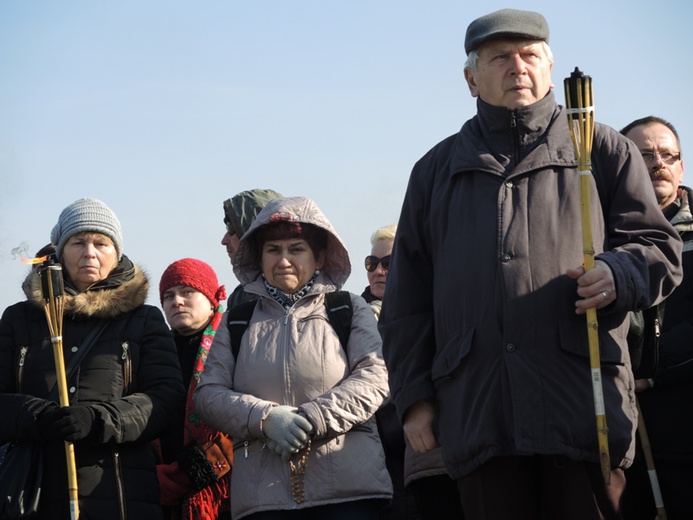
<point>384,233</point>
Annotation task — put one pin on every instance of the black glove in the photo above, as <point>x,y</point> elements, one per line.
<point>68,423</point>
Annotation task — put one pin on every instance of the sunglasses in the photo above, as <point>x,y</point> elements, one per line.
<point>373,261</point>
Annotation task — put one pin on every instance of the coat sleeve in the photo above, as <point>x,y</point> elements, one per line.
<point>218,405</point>
<point>158,393</point>
<point>358,396</point>
<point>643,249</point>
<point>20,410</point>
<point>407,320</point>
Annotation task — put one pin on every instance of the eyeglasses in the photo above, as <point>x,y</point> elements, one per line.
<point>373,261</point>
<point>666,157</point>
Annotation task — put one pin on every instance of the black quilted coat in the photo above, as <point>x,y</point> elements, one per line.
<point>130,376</point>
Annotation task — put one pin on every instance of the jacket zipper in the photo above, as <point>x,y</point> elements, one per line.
<point>119,484</point>
<point>127,368</point>
<point>23,350</point>
<point>285,352</point>
<point>516,137</point>
<point>246,445</point>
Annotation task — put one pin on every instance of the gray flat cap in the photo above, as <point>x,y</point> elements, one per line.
<point>506,23</point>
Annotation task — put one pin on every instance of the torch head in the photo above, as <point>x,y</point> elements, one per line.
<point>578,92</point>
<point>51,274</point>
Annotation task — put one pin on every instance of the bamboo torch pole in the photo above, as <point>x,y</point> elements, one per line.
<point>649,461</point>
<point>580,108</point>
<point>52,288</point>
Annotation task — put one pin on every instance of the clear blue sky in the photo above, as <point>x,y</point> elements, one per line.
<point>163,109</point>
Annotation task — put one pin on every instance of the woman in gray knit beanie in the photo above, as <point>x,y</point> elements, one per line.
<point>88,242</point>
<point>87,215</point>
<point>126,391</point>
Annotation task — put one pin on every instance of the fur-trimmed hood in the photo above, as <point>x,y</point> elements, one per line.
<point>124,290</point>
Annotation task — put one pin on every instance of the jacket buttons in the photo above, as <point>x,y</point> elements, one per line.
<point>510,347</point>
<point>74,349</point>
<point>509,184</point>
<point>505,257</point>
<point>72,389</point>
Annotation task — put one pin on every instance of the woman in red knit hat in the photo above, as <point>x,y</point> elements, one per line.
<point>194,476</point>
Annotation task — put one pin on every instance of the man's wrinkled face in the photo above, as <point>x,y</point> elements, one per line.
<point>660,151</point>
<point>511,73</point>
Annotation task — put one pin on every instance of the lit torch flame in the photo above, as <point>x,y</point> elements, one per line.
<point>34,261</point>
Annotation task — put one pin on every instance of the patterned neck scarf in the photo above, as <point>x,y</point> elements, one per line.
<point>194,428</point>
<point>287,300</point>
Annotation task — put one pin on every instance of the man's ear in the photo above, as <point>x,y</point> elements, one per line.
<point>471,82</point>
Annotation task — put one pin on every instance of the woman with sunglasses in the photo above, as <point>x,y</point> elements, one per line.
<point>422,488</point>
<point>377,264</point>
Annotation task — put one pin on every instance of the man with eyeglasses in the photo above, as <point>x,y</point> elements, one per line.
<point>666,400</point>
<point>483,319</point>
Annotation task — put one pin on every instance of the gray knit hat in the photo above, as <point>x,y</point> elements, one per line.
<point>87,215</point>
<point>506,23</point>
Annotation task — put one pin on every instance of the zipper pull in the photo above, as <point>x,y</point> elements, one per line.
<point>245,448</point>
<point>513,120</point>
<point>125,347</point>
<point>22,355</point>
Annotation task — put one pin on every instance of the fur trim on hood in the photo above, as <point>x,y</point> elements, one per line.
<point>337,267</point>
<point>124,290</point>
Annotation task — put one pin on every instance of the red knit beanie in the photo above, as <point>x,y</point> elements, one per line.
<point>193,273</point>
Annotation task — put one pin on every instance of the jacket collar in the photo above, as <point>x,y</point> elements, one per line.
<point>683,219</point>
<point>124,290</point>
<point>504,142</point>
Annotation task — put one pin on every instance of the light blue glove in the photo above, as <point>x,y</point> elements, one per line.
<point>286,430</point>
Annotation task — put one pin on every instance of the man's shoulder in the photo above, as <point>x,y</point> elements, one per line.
<point>610,139</point>
<point>438,157</point>
<point>441,148</point>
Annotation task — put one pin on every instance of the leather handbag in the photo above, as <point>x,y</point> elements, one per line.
<point>20,480</point>
<point>219,453</point>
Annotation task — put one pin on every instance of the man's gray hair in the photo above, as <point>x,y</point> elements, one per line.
<point>473,56</point>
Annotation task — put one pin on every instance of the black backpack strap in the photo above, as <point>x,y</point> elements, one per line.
<point>339,313</point>
<point>237,320</point>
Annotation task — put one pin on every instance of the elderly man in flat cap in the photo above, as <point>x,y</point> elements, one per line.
<point>484,316</point>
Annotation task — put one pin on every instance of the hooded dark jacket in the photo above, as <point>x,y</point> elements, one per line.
<point>479,313</point>
<point>130,378</point>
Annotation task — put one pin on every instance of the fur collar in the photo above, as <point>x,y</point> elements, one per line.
<point>110,298</point>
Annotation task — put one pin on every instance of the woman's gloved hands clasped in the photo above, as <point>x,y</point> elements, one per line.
<point>286,430</point>
<point>70,423</point>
